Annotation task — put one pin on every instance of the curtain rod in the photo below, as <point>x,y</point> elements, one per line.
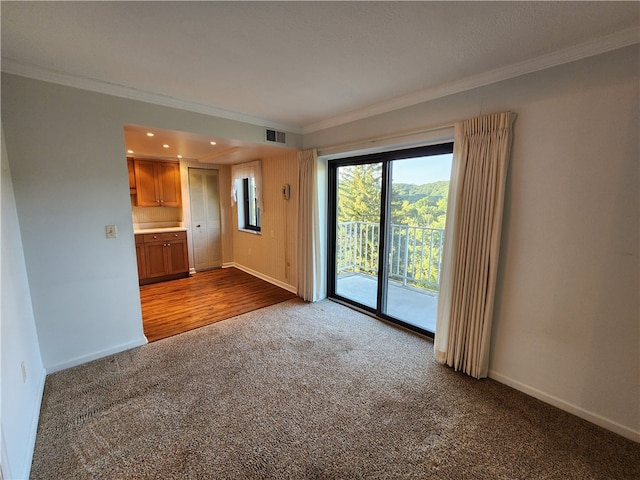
<point>374,140</point>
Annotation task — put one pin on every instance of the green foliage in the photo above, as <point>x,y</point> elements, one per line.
<point>419,205</point>
<point>359,190</point>
<point>418,214</point>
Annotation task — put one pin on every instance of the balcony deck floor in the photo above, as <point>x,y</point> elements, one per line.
<point>407,304</point>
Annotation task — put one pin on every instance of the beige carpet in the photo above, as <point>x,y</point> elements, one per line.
<point>306,391</point>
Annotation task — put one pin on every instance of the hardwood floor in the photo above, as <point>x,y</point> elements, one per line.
<point>169,308</point>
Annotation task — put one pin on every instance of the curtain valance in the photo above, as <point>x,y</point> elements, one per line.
<point>246,170</point>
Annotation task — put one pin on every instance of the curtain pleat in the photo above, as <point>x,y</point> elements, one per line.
<point>308,228</point>
<point>472,242</point>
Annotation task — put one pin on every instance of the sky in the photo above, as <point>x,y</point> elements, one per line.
<point>421,170</point>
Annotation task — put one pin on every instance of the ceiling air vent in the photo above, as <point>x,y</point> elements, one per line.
<point>275,136</point>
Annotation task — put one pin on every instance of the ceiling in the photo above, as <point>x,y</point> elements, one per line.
<point>300,66</point>
<point>171,145</point>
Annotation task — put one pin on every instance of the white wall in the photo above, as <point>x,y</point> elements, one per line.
<point>66,151</point>
<point>21,396</point>
<point>67,155</point>
<point>567,321</point>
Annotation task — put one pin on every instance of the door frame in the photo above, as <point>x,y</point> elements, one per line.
<point>386,159</point>
<point>191,236</point>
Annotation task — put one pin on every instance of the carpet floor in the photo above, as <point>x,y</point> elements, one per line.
<point>306,391</point>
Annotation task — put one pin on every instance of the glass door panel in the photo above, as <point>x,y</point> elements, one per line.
<point>415,236</point>
<point>387,224</point>
<point>358,206</point>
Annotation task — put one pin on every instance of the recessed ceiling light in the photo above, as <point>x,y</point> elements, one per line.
<point>165,145</point>
<point>149,134</point>
<point>213,143</point>
<point>129,151</point>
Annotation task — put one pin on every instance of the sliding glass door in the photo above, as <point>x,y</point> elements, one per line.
<point>387,231</point>
<point>358,205</point>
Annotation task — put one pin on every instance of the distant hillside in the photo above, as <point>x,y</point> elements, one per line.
<point>412,193</point>
<point>420,205</point>
<point>412,205</point>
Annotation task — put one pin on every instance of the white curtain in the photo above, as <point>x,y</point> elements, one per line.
<point>246,170</point>
<point>309,274</point>
<point>481,153</point>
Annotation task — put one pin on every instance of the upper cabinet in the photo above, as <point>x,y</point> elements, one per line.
<point>157,183</point>
<point>132,176</point>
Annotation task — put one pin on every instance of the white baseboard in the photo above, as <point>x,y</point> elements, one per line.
<point>95,355</point>
<point>34,423</point>
<point>568,407</point>
<point>9,470</point>
<point>266,278</point>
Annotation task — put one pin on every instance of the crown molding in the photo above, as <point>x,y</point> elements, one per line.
<point>100,86</point>
<point>590,48</point>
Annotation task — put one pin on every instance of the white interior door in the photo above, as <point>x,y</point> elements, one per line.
<point>205,218</point>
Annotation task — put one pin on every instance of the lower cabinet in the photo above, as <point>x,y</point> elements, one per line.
<point>162,256</point>
<point>140,257</point>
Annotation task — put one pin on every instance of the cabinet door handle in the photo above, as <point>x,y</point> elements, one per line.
<point>155,236</point>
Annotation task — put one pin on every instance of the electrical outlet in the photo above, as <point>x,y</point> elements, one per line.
<point>112,231</point>
<point>249,251</point>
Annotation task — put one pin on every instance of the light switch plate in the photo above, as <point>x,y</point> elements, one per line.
<point>111,230</point>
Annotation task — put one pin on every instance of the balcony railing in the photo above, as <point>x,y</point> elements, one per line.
<point>415,253</point>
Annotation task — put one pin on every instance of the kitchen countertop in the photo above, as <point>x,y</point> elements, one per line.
<point>158,230</point>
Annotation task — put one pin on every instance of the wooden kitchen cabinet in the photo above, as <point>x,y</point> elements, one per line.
<point>165,256</point>
<point>140,257</point>
<point>132,176</point>
<point>157,183</point>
